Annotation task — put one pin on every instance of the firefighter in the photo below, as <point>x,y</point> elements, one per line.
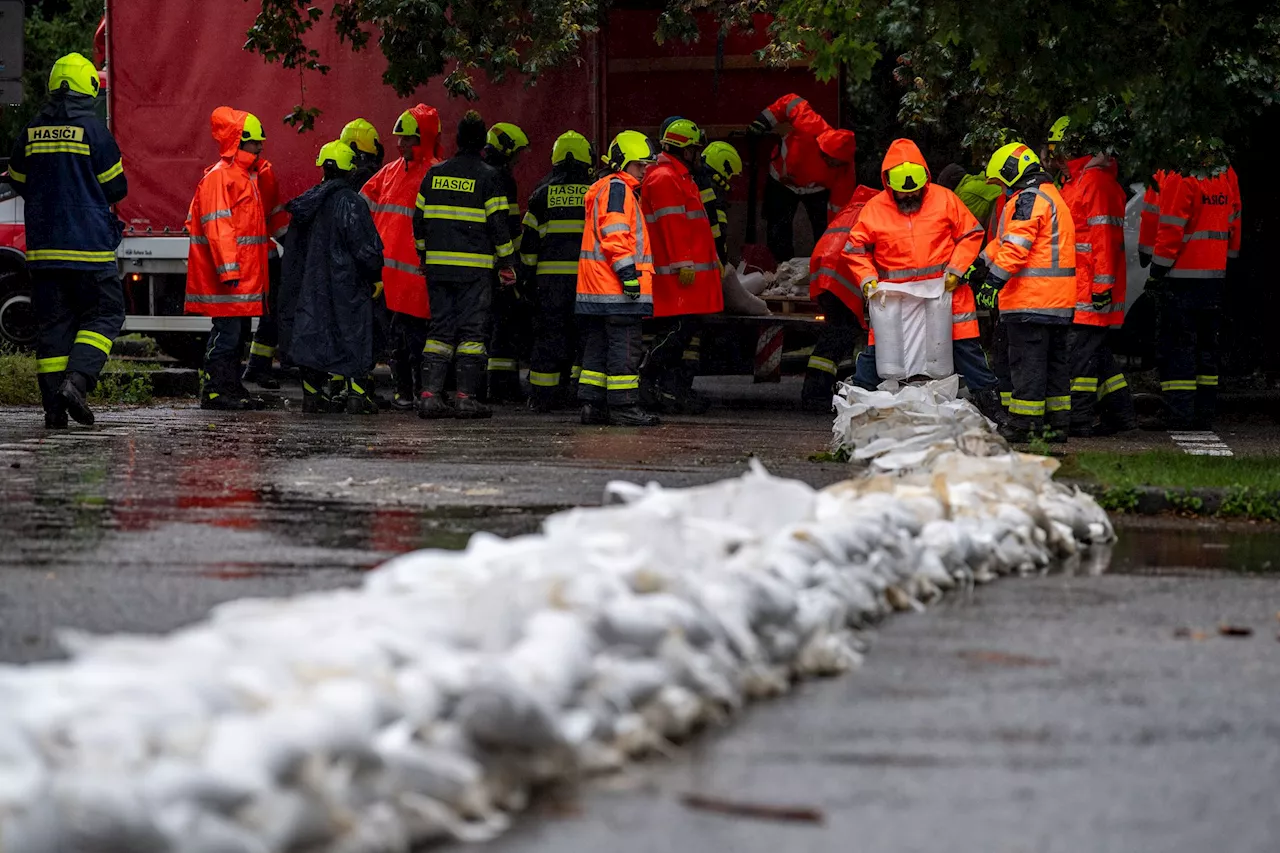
<point>813,166</point>
<point>227,260</point>
<point>549,251</point>
<point>1197,231</point>
<point>1097,201</point>
<point>391,195</point>
<point>332,260</point>
<point>511,313</point>
<point>460,230</point>
<point>721,163</point>
<point>918,233</point>
<point>266,337</point>
<point>367,148</point>
<point>67,167</point>
<point>686,280</point>
<point>615,286</point>
<point>1028,271</point>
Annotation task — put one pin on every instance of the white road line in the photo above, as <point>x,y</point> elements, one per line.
<point>1200,443</point>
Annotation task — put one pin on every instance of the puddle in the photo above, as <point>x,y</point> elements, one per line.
<point>1180,550</point>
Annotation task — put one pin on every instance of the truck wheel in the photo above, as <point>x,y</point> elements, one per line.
<point>187,348</point>
<point>18,326</point>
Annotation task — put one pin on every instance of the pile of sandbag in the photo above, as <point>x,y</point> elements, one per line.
<point>426,703</point>
<point>790,280</point>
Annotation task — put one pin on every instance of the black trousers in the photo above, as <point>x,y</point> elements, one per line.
<point>673,361</point>
<point>267,336</point>
<point>779,209</point>
<point>1188,323</point>
<point>222,352</point>
<point>836,340</point>
<point>80,314</point>
<point>459,321</point>
<point>408,335</point>
<point>1040,370</point>
<point>1098,387</point>
<point>512,318</point>
<point>610,360</point>
<point>555,333</point>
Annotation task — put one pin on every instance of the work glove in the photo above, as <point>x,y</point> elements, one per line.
<point>987,295</point>
<point>235,282</point>
<point>377,289</point>
<point>1155,278</point>
<point>507,277</point>
<point>759,127</point>
<point>952,281</point>
<point>687,275</point>
<point>1102,299</point>
<point>631,288</point>
<point>869,288</point>
<point>1144,258</point>
<point>977,272</point>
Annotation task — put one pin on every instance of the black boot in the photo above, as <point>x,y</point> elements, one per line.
<point>404,377</point>
<point>315,393</point>
<point>337,386</point>
<point>595,414</point>
<point>431,403</point>
<point>74,395</point>
<point>819,389</point>
<point>543,399</point>
<point>56,419</point>
<point>471,378</point>
<point>259,372</point>
<point>987,401</point>
<point>220,390</point>
<point>360,399</point>
<point>1014,432</point>
<point>252,400</point>
<point>631,415</point>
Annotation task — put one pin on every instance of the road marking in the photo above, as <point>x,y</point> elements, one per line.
<point>1200,443</point>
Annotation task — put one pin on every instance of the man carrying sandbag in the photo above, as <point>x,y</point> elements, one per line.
<point>919,237</point>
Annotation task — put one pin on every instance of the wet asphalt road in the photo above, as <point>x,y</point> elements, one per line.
<point>1043,714</point>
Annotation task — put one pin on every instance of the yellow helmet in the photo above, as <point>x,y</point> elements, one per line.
<point>1058,133</point>
<point>722,159</point>
<point>339,153</point>
<point>908,177</point>
<point>682,133</point>
<point>571,144</point>
<point>1010,163</point>
<point>361,135</point>
<point>507,138</point>
<point>630,146</point>
<point>75,73</point>
<point>407,125</point>
<point>252,131</point>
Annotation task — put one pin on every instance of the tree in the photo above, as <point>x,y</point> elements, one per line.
<point>52,29</point>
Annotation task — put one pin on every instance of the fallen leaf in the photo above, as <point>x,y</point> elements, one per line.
<point>1002,658</point>
<point>762,811</point>
<point>1189,634</point>
<point>1235,631</point>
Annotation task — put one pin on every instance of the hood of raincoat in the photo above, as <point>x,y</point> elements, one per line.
<point>840,144</point>
<point>226,125</point>
<point>428,119</point>
<point>903,151</point>
<point>306,207</point>
<point>1076,167</point>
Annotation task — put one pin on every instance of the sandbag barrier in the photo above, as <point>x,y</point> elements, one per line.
<point>426,703</point>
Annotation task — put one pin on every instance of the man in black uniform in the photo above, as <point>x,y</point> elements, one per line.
<point>460,229</point>
<point>511,309</point>
<point>67,167</point>
<point>549,251</point>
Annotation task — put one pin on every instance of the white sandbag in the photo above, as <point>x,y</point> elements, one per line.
<point>754,282</point>
<point>912,323</point>
<point>737,298</point>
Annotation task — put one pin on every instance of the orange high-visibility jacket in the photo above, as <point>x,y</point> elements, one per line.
<point>228,228</point>
<point>1097,201</point>
<point>1233,250</point>
<point>1149,218</point>
<point>826,265</point>
<point>1194,234</point>
<point>391,195</point>
<point>615,246</point>
<point>1034,255</point>
<point>797,161</point>
<point>277,216</point>
<point>942,237</point>
<point>681,233</point>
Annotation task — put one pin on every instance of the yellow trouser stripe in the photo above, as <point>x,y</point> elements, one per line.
<point>56,364</point>
<point>263,350</point>
<point>1085,384</point>
<point>438,348</point>
<point>557,268</point>
<point>1178,385</point>
<point>471,348</point>
<point>1210,381</point>
<point>594,378</point>
<point>95,340</point>
<point>575,372</point>
<point>1031,408</point>
<point>544,380</point>
<point>1058,404</point>
<point>71,255</point>
<point>623,383</point>
<point>502,364</point>
<point>1006,398</point>
<point>1115,383</point>
<point>826,365</point>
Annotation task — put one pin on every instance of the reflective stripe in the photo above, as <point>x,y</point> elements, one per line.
<point>566,226</point>
<point>392,263</point>
<point>530,221</point>
<point>575,372</point>
<point>977,229</point>
<point>54,364</point>
<point>1016,240</point>
<point>1150,208</point>
<point>918,272</point>
<point>460,259</point>
<point>1173,220</point>
<point>71,255</point>
<point>543,380</point>
<point>217,214</point>
<point>1106,220</point>
<point>1058,404</point>
<point>1047,272</point>
<point>503,364</point>
<point>997,273</point>
<point>1031,408</point>
<point>695,267</point>
<point>451,212</point>
<point>1162,261</point>
<point>1104,279</point>
<point>57,148</point>
<point>964,317</point>
<point>472,348</point>
<point>1006,398</point>
<point>624,261</point>
<point>114,172</point>
<point>1147,249</point>
<point>1178,385</point>
<point>675,210</point>
<point>223,298</point>
<point>434,347</point>
<point>1185,273</point>
<point>505,250</point>
<point>262,349</point>
<point>690,355</point>
<point>840,279</point>
<point>594,378</point>
<point>1084,247</point>
<point>709,194</point>
<point>252,241</point>
<point>528,260</point>
<point>625,382</point>
<point>496,204</point>
<point>1088,308</point>
<point>557,268</point>
<point>1207,381</point>
<point>225,268</point>
<point>614,298</point>
<point>958,273</point>
<point>513,209</point>
<point>279,208</point>
<point>826,365</point>
<point>1041,312</point>
<point>591,255</point>
<point>1206,235</point>
<point>1235,217</point>
<point>1084,384</point>
<point>15,175</point>
<point>1115,383</point>
<point>95,340</point>
<point>398,209</point>
<point>697,214</point>
<point>1233,253</point>
<point>355,386</point>
<point>858,250</point>
<point>615,228</point>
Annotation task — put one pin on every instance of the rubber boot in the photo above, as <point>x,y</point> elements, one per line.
<point>253,400</point>
<point>337,386</point>
<point>1016,431</point>
<point>819,389</point>
<point>360,399</point>
<point>471,378</point>
<point>258,371</point>
<point>220,391</point>
<point>543,399</point>
<point>406,382</point>
<point>315,393</point>
<point>631,416</point>
<point>987,401</point>
<point>431,403</point>
<point>595,414</point>
<point>74,395</point>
